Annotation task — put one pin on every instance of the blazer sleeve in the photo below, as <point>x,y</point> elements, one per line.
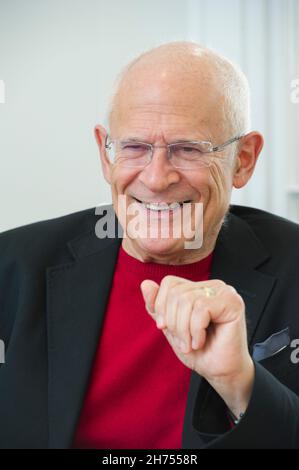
<point>271,420</point>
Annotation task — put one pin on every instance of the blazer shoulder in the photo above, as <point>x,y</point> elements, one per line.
<point>42,236</point>
<point>275,232</point>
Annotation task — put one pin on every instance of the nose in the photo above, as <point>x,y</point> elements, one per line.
<point>159,174</point>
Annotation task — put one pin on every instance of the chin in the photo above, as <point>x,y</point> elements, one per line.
<point>159,246</point>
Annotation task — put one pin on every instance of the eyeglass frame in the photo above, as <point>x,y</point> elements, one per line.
<point>217,148</point>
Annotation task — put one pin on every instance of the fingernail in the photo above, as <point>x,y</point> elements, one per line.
<point>160,321</point>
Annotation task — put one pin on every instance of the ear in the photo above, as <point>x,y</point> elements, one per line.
<point>100,135</point>
<point>251,146</point>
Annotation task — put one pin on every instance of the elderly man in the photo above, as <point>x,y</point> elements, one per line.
<point>141,340</point>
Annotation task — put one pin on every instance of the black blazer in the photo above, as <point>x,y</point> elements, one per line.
<point>55,278</point>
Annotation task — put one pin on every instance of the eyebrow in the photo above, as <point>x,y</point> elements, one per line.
<point>132,139</point>
<point>183,141</point>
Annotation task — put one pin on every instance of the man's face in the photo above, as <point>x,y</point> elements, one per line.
<point>160,111</point>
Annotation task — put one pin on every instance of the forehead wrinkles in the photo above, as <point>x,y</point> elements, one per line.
<point>157,122</point>
<point>169,115</point>
<point>175,121</point>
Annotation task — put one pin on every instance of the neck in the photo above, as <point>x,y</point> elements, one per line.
<point>184,256</point>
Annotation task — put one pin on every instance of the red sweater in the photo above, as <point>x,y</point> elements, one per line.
<point>138,388</point>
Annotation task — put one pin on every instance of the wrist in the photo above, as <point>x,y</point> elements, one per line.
<point>236,390</point>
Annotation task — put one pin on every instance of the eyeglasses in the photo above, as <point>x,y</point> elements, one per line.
<point>182,154</point>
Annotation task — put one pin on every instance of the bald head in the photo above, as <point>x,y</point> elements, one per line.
<point>190,74</point>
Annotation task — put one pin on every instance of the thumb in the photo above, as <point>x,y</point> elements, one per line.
<point>149,291</point>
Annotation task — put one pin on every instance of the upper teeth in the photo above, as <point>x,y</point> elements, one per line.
<point>162,206</point>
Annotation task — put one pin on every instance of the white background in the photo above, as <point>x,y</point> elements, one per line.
<point>59,58</point>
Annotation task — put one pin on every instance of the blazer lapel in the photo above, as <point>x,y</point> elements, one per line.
<point>237,258</point>
<point>77,295</point>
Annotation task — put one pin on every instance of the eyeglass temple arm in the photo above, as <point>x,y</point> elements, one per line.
<point>106,141</point>
<point>230,141</point>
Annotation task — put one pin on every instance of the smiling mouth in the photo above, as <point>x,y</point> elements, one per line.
<point>162,206</point>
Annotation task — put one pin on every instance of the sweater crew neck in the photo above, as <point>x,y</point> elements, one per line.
<point>197,269</point>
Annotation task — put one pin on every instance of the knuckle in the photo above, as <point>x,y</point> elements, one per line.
<point>174,293</point>
<point>168,280</point>
<point>230,290</point>
<point>219,283</point>
<point>239,301</point>
<point>234,296</point>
